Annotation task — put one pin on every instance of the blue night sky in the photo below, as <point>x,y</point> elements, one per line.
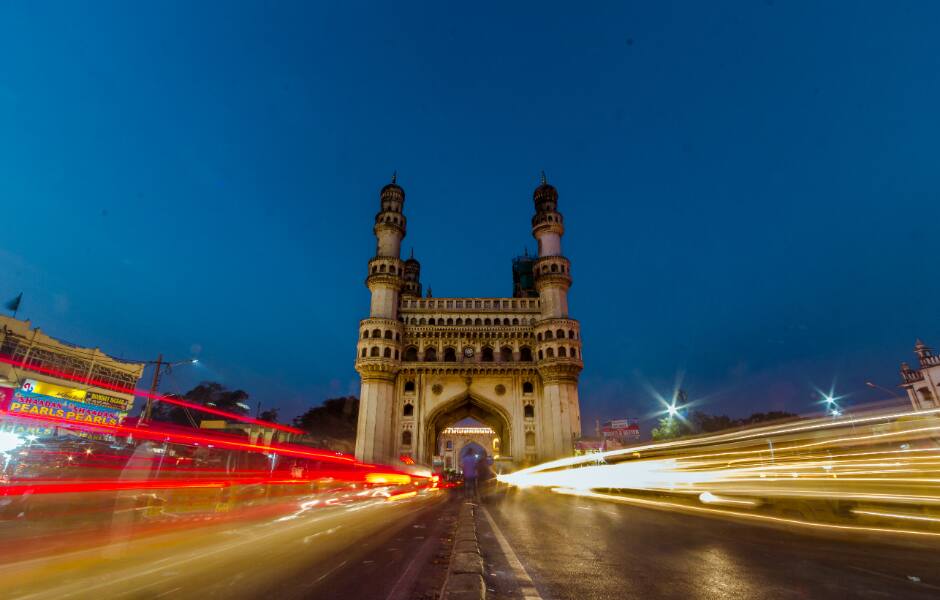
<point>751,189</point>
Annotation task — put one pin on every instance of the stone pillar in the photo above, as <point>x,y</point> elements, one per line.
<point>375,442</point>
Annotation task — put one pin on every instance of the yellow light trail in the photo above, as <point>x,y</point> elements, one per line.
<point>827,472</point>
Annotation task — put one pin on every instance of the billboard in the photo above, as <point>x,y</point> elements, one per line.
<point>25,402</point>
<point>66,393</point>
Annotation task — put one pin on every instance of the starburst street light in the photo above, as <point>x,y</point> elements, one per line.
<point>672,410</point>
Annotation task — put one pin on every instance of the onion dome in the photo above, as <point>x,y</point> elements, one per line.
<point>545,196</point>
<point>393,188</point>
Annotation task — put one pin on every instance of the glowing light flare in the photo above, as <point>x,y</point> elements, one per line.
<point>388,478</point>
<point>710,498</point>
<point>401,496</point>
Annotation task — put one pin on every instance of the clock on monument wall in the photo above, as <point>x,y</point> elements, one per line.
<point>468,352</point>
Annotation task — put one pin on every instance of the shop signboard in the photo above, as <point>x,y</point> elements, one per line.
<point>26,402</point>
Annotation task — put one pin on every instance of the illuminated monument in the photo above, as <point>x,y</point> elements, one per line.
<point>427,363</point>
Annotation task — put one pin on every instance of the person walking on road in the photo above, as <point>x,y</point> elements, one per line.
<point>468,464</point>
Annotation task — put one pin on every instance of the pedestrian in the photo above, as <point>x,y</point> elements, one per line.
<point>468,465</point>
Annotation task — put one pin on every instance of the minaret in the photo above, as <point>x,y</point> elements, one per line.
<point>412,278</point>
<point>558,338</point>
<point>378,355</point>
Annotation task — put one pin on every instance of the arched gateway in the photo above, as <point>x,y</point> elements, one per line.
<point>509,363</point>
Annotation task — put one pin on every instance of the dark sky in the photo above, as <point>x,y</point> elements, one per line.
<point>751,189</point>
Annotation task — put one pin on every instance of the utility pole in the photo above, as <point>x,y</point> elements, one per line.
<point>148,406</point>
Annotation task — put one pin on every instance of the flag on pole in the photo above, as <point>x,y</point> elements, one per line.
<point>14,304</point>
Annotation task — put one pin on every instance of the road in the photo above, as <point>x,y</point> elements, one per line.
<point>375,549</point>
<point>577,548</point>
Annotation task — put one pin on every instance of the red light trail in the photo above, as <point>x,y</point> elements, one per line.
<point>147,394</point>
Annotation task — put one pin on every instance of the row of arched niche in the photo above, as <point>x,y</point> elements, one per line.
<point>487,354</point>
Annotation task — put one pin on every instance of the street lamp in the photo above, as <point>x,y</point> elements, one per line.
<point>875,386</point>
<point>159,366</point>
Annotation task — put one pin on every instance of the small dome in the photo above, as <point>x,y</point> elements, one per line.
<point>546,192</point>
<point>393,189</point>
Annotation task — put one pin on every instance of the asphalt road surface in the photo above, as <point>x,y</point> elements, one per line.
<point>376,549</point>
<point>551,546</point>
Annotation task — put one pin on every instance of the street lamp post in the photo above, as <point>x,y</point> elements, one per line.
<point>159,365</point>
<point>875,386</point>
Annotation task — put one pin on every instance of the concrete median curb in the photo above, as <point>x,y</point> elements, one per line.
<point>465,572</point>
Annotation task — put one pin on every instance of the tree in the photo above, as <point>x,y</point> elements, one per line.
<point>334,420</point>
<point>269,415</point>
<point>207,393</point>
<point>671,428</point>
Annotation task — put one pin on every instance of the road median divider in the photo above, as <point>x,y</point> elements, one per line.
<point>465,572</point>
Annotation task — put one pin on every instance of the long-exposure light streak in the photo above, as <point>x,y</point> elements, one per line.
<point>739,515</point>
<point>825,472</point>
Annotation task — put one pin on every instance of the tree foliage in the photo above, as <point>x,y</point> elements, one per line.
<point>335,419</point>
<point>207,393</point>
<point>670,428</point>
<point>269,415</point>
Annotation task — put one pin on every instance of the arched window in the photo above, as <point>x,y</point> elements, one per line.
<point>530,439</point>
<point>487,322</point>
<point>374,351</point>
<point>375,269</point>
<point>548,334</point>
<point>525,354</point>
<point>397,337</point>
<point>409,410</point>
<point>478,321</point>
<point>540,355</point>
<point>422,321</point>
<point>405,438</point>
<point>387,353</point>
<point>396,354</point>
<point>571,334</point>
<point>554,268</point>
<point>411,354</point>
<point>431,321</point>
<point>388,334</point>
<point>392,269</point>
<point>527,387</point>
<point>460,321</point>
<point>410,386</point>
<point>505,354</point>
<point>381,268</point>
<point>515,321</point>
<point>365,334</point>
<point>562,352</point>
<point>486,355</point>
<point>550,352</point>
<point>376,333</point>
<point>414,321</point>
<point>560,334</point>
<point>529,413</point>
<point>450,321</point>
<point>430,354</point>
<point>538,336</point>
<point>926,398</point>
<point>450,355</point>
<point>364,352</point>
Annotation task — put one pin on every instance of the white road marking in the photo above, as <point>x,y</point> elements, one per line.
<point>527,587</point>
